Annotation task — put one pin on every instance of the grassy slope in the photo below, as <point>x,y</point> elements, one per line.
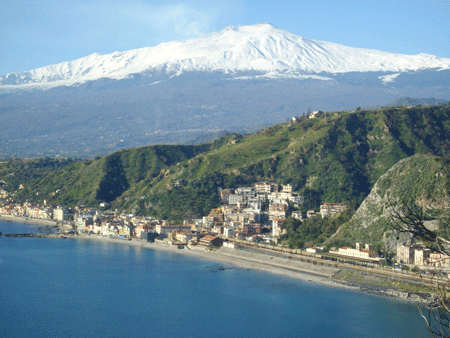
<point>91,181</point>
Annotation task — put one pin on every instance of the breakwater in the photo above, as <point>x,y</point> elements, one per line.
<point>34,235</point>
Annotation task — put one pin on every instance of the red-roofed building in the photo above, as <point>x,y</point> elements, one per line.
<point>211,240</point>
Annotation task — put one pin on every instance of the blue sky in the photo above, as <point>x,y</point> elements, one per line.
<point>39,33</point>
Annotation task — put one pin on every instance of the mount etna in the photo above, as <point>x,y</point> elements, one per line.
<point>239,79</point>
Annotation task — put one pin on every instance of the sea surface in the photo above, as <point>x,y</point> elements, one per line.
<point>81,288</point>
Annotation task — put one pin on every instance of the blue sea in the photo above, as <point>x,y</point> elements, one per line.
<point>76,288</point>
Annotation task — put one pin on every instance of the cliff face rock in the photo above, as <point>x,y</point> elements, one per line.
<point>391,239</point>
<point>420,179</point>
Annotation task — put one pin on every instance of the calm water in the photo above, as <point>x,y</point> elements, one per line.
<point>74,288</point>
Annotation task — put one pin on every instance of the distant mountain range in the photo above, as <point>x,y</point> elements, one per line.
<point>408,101</point>
<point>239,79</point>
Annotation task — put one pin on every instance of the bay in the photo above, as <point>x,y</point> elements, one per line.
<point>76,288</point>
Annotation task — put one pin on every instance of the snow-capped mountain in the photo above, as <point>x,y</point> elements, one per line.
<point>263,49</point>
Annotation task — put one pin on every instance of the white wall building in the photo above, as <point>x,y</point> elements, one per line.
<point>330,209</point>
<point>228,232</point>
<point>276,226</point>
<point>59,214</point>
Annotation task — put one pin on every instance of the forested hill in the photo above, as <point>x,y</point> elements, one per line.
<point>336,157</point>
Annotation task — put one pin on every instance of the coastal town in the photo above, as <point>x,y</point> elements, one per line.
<point>247,216</point>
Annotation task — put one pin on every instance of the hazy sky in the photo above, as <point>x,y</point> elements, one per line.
<point>39,33</point>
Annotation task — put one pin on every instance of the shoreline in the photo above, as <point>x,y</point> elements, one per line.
<point>239,258</point>
<point>306,272</point>
<point>302,271</point>
<point>35,222</point>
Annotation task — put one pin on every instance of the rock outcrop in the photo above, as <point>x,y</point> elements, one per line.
<point>420,179</point>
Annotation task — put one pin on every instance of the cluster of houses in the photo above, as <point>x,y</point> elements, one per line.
<point>240,216</point>
<point>420,256</point>
<point>33,210</point>
<point>412,255</point>
<point>241,213</point>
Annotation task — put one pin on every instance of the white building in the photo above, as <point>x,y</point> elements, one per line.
<point>265,187</point>
<point>310,213</point>
<point>230,245</point>
<point>359,252</point>
<point>421,256</point>
<point>183,237</point>
<point>297,215</point>
<point>276,226</point>
<point>246,191</point>
<point>287,188</point>
<point>167,229</point>
<point>59,214</point>
<point>235,199</point>
<point>330,209</point>
<point>405,254</point>
<point>82,221</point>
<point>314,114</point>
<point>314,250</point>
<point>228,231</point>
<point>296,199</point>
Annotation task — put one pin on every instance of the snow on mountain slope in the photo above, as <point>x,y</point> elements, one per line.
<point>263,48</point>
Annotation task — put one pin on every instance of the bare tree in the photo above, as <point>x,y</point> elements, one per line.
<point>437,314</point>
<point>411,218</point>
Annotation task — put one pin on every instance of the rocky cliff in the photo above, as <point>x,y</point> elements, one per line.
<point>421,179</point>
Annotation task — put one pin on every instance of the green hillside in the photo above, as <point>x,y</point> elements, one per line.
<point>105,178</point>
<point>336,157</point>
<point>14,172</point>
